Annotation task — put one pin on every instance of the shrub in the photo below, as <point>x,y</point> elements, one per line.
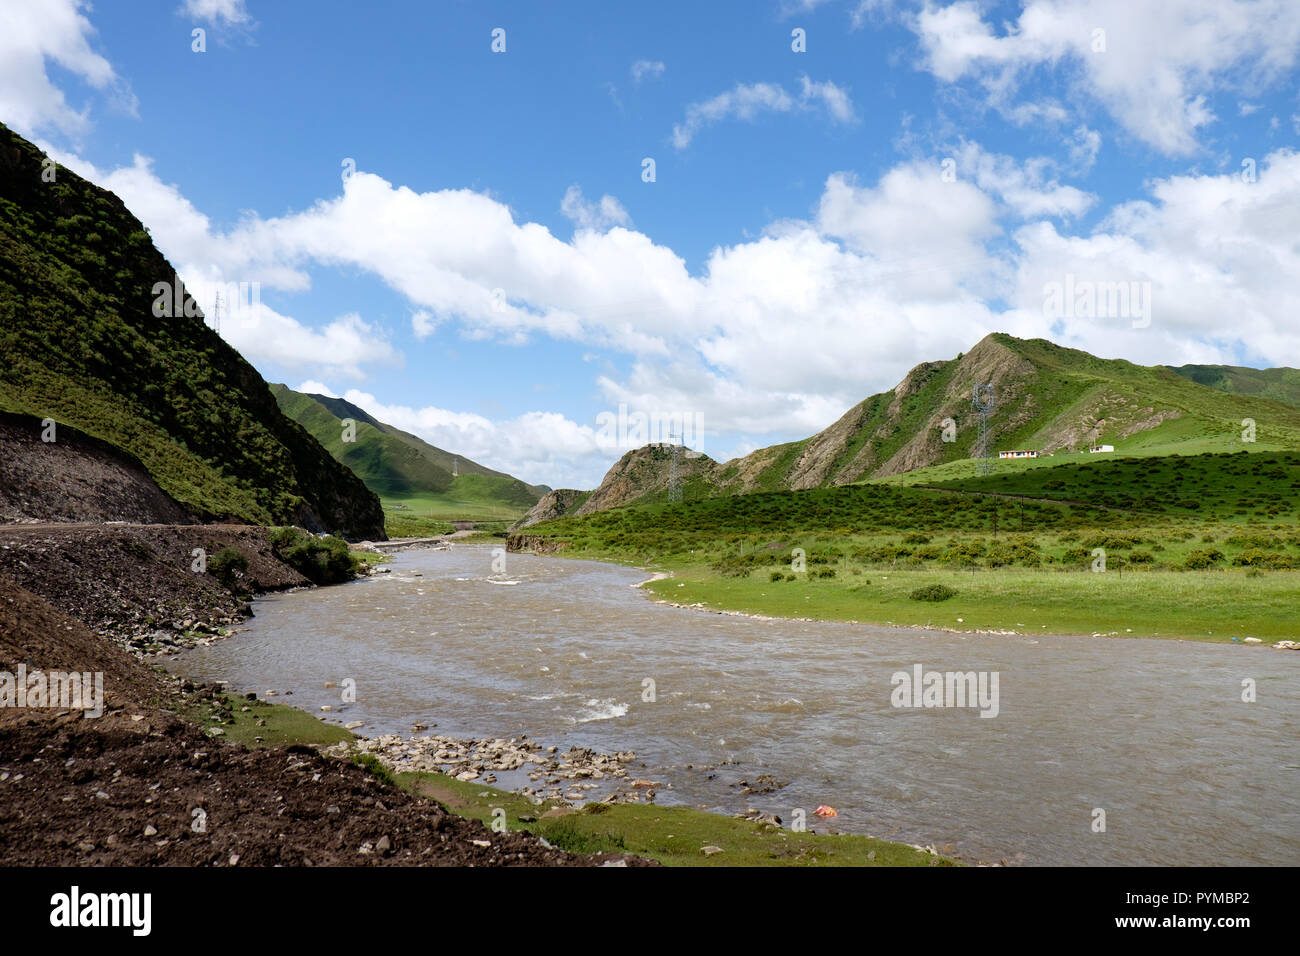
<point>933,592</point>
<point>324,560</point>
<point>826,573</point>
<point>776,576</point>
<point>1199,560</point>
<point>1256,558</point>
<point>226,564</point>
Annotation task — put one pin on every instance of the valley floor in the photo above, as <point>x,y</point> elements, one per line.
<point>1218,606</point>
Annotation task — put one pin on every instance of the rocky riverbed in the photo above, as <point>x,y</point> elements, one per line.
<point>576,775</point>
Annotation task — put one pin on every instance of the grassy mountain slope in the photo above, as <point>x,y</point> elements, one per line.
<point>404,469</point>
<point>1048,398</point>
<point>81,345</point>
<point>1281,384</point>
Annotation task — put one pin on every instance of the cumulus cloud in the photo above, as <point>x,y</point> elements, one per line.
<point>313,387</point>
<point>593,215</point>
<point>778,334</point>
<point>541,447</point>
<point>35,34</point>
<point>746,101</point>
<point>1030,188</point>
<point>1220,256</point>
<point>209,262</point>
<point>1152,65</point>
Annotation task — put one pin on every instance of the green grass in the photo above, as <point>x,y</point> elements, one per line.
<point>409,524</point>
<point>1202,547</point>
<point>284,725</point>
<point>672,835</point>
<point>457,506</point>
<point>1204,605</point>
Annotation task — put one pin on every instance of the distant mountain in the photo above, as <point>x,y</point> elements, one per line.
<point>1046,398</point>
<point>1282,384</point>
<point>81,344</point>
<point>398,465</point>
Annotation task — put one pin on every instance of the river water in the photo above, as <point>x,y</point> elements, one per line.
<point>1154,733</point>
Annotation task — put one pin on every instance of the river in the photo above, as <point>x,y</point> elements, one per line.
<point>1155,733</point>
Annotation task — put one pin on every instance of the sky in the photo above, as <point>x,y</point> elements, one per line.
<point>513,228</point>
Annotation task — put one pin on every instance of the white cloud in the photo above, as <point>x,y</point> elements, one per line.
<point>643,69</point>
<point>1084,149</point>
<point>208,261</point>
<point>774,335</point>
<point>865,9</point>
<point>35,34</point>
<point>1028,187</point>
<point>593,215</point>
<point>789,8</point>
<point>423,323</point>
<point>1160,63</point>
<point>1221,257</point>
<point>313,387</point>
<point>541,447</point>
<point>747,101</point>
<point>230,12</point>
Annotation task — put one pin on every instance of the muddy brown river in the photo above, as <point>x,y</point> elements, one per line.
<point>1153,733</point>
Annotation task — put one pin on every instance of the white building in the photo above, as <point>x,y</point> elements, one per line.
<point>1100,448</point>
<point>1018,454</point>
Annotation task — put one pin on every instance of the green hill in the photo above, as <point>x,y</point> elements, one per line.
<point>82,345</point>
<point>1282,384</point>
<point>1046,398</point>
<point>406,471</point>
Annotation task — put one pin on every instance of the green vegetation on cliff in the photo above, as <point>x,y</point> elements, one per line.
<point>82,346</point>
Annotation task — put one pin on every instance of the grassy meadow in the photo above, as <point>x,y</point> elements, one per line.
<point>1203,547</point>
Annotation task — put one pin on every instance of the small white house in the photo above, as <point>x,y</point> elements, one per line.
<point>1096,449</point>
<point>1017,454</point>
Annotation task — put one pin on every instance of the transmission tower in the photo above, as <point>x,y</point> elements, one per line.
<point>982,403</point>
<point>216,313</point>
<point>675,468</point>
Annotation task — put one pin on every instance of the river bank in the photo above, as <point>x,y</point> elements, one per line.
<point>141,778</point>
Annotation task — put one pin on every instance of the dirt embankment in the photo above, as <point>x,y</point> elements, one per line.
<point>138,583</point>
<point>140,785</point>
<point>536,543</point>
<point>53,472</point>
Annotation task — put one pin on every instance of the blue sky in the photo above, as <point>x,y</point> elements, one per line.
<point>498,273</point>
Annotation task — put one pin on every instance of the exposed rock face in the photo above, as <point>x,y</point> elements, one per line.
<point>554,504</point>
